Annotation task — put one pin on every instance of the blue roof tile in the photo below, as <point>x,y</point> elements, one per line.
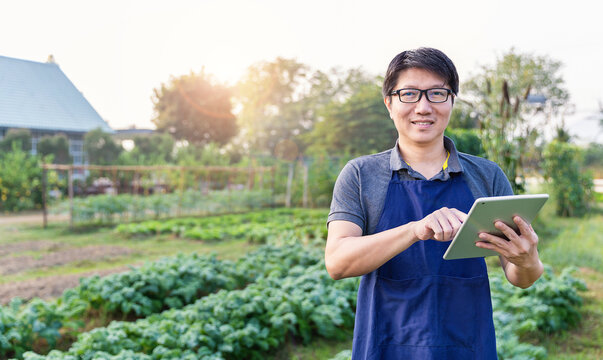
<point>39,96</point>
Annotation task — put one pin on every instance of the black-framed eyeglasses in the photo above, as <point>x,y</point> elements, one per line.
<point>434,95</point>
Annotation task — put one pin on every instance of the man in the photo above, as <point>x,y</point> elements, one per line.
<point>393,215</point>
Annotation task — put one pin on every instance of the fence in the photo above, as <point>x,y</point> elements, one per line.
<point>130,179</point>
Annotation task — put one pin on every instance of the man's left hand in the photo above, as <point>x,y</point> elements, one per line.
<point>521,249</point>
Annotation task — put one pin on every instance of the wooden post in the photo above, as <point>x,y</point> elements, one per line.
<point>115,182</point>
<point>305,198</point>
<point>44,209</point>
<point>181,189</point>
<point>207,183</point>
<point>70,190</point>
<point>289,184</point>
<point>228,182</point>
<point>251,179</point>
<point>261,179</point>
<point>135,183</point>
<point>273,185</point>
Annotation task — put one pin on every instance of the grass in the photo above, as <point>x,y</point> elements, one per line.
<point>318,349</point>
<point>576,242</point>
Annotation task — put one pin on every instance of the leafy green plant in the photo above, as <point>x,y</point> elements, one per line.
<point>550,305</point>
<point>572,188</point>
<point>240,324</point>
<point>110,209</point>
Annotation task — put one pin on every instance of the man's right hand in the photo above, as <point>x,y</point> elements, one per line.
<point>440,225</point>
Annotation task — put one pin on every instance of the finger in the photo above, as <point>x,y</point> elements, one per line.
<point>455,222</point>
<point>493,242</point>
<point>524,227</point>
<point>507,230</point>
<point>446,228</point>
<point>487,245</point>
<point>428,232</point>
<point>460,215</point>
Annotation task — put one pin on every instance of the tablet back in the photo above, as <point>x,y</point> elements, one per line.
<point>483,214</point>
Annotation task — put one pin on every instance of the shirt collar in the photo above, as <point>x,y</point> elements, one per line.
<point>454,165</point>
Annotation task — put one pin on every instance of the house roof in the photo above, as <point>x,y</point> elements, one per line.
<point>39,96</point>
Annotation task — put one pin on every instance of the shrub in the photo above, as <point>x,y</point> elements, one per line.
<point>572,188</point>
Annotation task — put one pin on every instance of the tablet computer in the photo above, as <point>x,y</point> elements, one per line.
<point>483,214</point>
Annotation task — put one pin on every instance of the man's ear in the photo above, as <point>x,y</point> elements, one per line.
<point>388,103</point>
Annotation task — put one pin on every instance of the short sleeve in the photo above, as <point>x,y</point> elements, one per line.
<point>501,186</point>
<point>346,203</point>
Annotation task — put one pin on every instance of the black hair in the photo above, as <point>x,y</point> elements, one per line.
<point>429,59</point>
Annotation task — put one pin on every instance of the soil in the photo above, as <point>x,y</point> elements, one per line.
<point>17,247</point>
<point>31,218</point>
<point>12,265</point>
<point>48,287</point>
<point>14,260</point>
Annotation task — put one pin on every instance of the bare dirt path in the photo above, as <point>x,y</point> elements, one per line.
<point>49,286</point>
<point>15,264</point>
<point>31,218</point>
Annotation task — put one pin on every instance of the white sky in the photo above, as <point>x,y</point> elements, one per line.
<point>116,52</point>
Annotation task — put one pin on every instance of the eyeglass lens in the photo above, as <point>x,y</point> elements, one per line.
<point>436,95</point>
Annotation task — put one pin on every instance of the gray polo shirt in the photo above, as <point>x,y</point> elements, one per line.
<point>361,187</point>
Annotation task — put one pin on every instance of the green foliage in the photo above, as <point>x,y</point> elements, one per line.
<point>463,116</point>
<point>343,355</point>
<point>154,149</point>
<point>209,155</point>
<point>168,283</point>
<point>20,180</point>
<point>100,147</point>
<point>293,299</point>
<point>550,305</point>
<point>56,145</point>
<point>506,119</point>
<point>466,140</point>
<point>257,227</point>
<point>572,188</point>
<point>216,309</point>
<point>109,209</point>
<point>195,108</point>
<point>273,99</point>
<point>20,136</point>
<point>593,155</point>
<point>357,126</point>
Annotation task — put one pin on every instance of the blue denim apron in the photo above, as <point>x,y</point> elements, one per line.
<point>418,305</point>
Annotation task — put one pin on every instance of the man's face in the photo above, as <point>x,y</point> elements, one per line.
<point>421,123</point>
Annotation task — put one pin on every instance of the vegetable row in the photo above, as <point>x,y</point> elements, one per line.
<point>168,283</point>
<point>256,227</point>
<point>238,324</point>
<point>106,209</point>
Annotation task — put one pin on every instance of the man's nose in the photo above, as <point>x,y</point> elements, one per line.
<point>423,106</point>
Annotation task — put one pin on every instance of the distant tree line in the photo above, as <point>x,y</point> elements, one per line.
<point>283,110</point>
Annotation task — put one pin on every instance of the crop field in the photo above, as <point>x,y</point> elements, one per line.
<point>251,286</point>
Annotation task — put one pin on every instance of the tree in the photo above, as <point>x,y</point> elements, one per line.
<point>357,126</point>
<point>153,149</point>
<point>272,96</point>
<point>195,108</point>
<point>56,145</point>
<point>500,96</point>
<point>463,116</point>
<point>20,179</point>
<point>21,136</point>
<point>100,147</point>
